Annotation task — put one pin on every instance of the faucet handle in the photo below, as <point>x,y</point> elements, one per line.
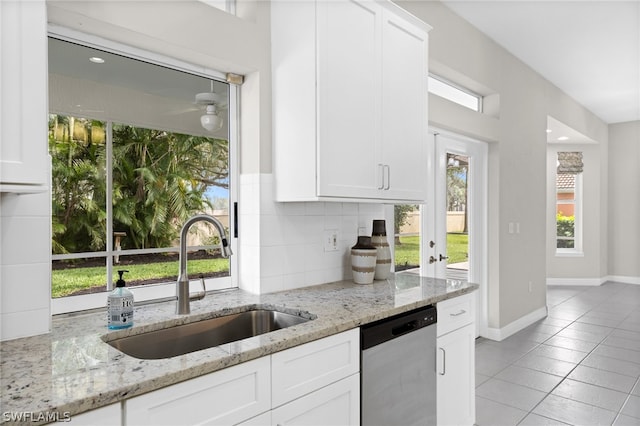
<point>201,294</point>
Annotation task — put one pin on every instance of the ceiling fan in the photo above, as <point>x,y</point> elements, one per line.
<point>211,121</point>
<point>212,103</point>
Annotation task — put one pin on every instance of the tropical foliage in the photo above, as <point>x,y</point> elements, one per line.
<point>565,226</point>
<point>159,179</point>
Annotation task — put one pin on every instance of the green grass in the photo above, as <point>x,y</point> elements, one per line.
<point>457,248</point>
<point>67,281</point>
<point>408,253</point>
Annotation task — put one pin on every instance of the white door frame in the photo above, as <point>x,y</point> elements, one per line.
<point>434,218</point>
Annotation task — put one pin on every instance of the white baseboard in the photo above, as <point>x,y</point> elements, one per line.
<point>500,334</point>
<point>623,279</point>
<point>577,281</point>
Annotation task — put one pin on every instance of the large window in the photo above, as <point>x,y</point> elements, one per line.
<point>569,202</point>
<point>132,159</point>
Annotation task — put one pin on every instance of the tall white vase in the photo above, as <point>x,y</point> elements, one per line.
<point>383,257</point>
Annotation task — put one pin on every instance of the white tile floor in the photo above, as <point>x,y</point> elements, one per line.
<point>578,366</point>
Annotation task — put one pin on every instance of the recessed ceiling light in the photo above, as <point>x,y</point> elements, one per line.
<point>549,130</point>
<point>563,138</point>
<point>96,60</point>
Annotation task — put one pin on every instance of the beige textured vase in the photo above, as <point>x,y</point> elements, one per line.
<point>363,261</point>
<point>383,258</point>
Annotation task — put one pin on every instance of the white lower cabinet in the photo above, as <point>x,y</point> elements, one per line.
<point>263,419</point>
<point>317,383</point>
<point>225,397</point>
<point>455,359</point>
<point>335,405</point>
<point>109,415</point>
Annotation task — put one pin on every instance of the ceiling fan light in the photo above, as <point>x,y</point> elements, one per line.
<point>211,122</point>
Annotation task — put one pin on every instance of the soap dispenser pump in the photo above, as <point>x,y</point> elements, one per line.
<point>120,306</point>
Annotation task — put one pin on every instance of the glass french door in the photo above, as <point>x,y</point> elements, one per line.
<point>454,217</point>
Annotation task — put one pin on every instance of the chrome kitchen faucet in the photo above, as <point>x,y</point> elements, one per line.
<point>182,285</point>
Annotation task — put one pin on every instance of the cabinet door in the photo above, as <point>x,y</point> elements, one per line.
<point>404,108</point>
<point>23,85</point>
<point>110,415</point>
<point>225,397</point>
<point>337,404</point>
<point>456,377</point>
<point>349,72</point>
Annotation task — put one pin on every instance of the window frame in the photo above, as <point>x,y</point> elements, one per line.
<point>456,88</point>
<point>161,291</point>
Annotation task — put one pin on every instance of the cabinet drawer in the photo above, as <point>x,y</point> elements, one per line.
<point>335,405</point>
<point>455,313</point>
<point>305,368</point>
<point>224,397</point>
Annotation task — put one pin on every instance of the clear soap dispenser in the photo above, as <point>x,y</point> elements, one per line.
<point>120,306</point>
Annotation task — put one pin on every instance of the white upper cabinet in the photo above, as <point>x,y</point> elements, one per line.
<point>24,164</point>
<point>349,101</point>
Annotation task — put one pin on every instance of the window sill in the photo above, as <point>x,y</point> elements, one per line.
<point>141,295</point>
<point>569,254</point>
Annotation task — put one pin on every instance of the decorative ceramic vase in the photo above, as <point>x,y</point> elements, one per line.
<point>383,257</point>
<point>363,261</point>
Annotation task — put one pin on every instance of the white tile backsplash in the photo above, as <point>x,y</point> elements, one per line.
<point>23,287</point>
<point>287,243</point>
<point>25,264</point>
<point>14,325</point>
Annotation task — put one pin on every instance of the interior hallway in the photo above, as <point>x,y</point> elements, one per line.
<point>578,366</point>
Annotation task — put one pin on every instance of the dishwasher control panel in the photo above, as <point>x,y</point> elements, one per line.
<point>386,329</point>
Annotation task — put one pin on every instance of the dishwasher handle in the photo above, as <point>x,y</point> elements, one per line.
<point>404,328</point>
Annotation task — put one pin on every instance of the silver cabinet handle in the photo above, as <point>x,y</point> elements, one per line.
<point>444,362</point>
<point>381,169</point>
<point>386,166</point>
<point>462,311</point>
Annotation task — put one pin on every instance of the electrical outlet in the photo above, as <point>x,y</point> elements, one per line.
<point>331,240</point>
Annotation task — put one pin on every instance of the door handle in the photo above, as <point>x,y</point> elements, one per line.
<point>442,257</point>
<point>381,170</point>
<point>432,260</point>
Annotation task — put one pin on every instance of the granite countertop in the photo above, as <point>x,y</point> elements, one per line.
<point>72,369</point>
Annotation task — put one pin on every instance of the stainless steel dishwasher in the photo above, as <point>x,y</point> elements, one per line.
<point>398,370</point>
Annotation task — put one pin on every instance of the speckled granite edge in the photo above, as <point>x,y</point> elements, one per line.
<point>72,369</point>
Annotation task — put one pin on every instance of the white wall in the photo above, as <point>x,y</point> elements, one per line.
<point>624,202</point>
<point>515,128</point>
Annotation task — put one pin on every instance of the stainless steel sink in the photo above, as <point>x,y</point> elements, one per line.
<point>195,336</point>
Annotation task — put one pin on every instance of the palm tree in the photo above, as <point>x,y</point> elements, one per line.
<point>159,180</point>
<point>78,189</point>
